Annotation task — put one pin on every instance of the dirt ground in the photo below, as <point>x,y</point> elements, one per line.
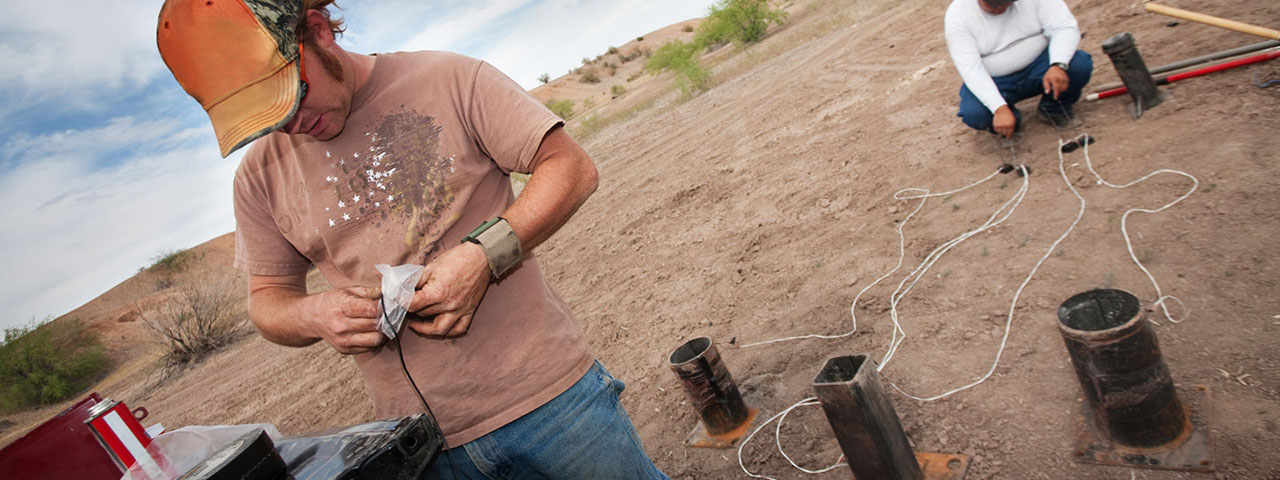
<point>761,208</point>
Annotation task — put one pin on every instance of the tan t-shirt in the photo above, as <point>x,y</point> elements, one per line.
<point>422,161</point>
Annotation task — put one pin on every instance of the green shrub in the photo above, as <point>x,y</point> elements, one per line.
<point>562,108</point>
<point>737,21</point>
<point>169,261</point>
<point>589,76</point>
<point>48,363</point>
<point>588,103</point>
<point>544,78</point>
<point>681,58</point>
<point>617,90</point>
<point>686,28</point>
<point>612,50</point>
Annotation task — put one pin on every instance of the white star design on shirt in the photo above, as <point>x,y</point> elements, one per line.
<point>341,204</point>
<point>331,222</point>
<point>355,199</point>
<point>391,198</point>
<point>346,216</point>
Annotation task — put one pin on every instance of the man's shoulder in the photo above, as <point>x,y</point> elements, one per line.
<point>263,154</point>
<point>958,11</point>
<point>435,60</point>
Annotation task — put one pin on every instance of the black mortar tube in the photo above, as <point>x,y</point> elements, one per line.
<point>1117,359</point>
<point>708,385</point>
<point>863,419</point>
<point>1133,71</point>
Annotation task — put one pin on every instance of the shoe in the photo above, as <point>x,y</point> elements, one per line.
<point>1060,121</point>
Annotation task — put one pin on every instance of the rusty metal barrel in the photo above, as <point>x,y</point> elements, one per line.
<point>1123,51</point>
<point>709,386</point>
<point>864,421</point>
<point>1117,359</point>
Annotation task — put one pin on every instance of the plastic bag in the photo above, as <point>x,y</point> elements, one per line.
<point>174,453</point>
<point>398,284</point>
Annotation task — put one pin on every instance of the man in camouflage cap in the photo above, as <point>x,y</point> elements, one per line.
<point>404,158</point>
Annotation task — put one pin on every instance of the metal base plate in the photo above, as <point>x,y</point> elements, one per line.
<point>943,466</point>
<point>1194,454</point>
<point>701,439</point>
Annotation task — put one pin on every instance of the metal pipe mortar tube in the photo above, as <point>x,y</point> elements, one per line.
<point>864,422</point>
<point>1126,384</point>
<point>1133,71</point>
<point>708,385</point>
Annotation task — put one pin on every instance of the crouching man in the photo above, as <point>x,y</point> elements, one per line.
<point>403,158</point>
<point>1011,50</point>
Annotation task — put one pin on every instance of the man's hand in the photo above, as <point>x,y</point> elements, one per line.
<point>449,292</point>
<point>1004,122</point>
<point>346,319</point>
<point>1056,81</point>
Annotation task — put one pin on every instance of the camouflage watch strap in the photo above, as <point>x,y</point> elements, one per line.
<point>500,243</point>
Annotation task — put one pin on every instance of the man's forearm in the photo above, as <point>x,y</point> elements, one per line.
<point>560,184</point>
<point>275,307</point>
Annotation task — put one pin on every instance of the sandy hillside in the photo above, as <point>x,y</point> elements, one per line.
<point>762,207</point>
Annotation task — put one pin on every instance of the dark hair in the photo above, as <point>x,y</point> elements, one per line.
<point>335,24</point>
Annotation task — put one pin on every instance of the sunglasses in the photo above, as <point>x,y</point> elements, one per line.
<point>302,69</point>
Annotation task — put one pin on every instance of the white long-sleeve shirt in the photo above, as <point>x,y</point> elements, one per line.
<point>983,45</point>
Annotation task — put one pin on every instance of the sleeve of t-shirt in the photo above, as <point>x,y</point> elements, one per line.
<point>1061,28</point>
<point>508,124</point>
<point>968,61</point>
<point>261,249</point>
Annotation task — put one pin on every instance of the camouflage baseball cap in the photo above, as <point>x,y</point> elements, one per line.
<point>239,59</point>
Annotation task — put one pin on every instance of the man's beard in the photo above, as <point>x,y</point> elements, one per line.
<point>331,65</point>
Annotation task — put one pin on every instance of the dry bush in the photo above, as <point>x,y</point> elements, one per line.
<point>204,311</point>
<point>630,55</point>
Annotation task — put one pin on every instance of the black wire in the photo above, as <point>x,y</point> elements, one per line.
<point>405,368</point>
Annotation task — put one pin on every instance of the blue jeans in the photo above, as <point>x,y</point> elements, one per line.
<point>581,434</point>
<point>1025,84</point>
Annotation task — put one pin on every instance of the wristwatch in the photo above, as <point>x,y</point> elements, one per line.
<point>500,243</point>
<point>1061,65</point>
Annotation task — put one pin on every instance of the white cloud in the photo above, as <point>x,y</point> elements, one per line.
<point>76,51</point>
<point>72,230</point>
<point>522,38</point>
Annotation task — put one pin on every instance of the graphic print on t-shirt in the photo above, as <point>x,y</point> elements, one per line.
<point>397,186</point>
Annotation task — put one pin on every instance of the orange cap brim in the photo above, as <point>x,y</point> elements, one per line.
<point>257,109</point>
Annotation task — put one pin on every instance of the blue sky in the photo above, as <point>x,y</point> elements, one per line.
<point>105,162</point>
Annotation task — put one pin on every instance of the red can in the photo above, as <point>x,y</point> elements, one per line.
<point>118,431</point>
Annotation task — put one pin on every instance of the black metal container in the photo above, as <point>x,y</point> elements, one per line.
<point>709,386</point>
<point>1123,51</point>
<point>1117,359</point>
<point>864,421</point>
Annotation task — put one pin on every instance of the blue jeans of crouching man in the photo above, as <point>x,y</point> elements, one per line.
<point>581,434</point>
<point>1028,83</point>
